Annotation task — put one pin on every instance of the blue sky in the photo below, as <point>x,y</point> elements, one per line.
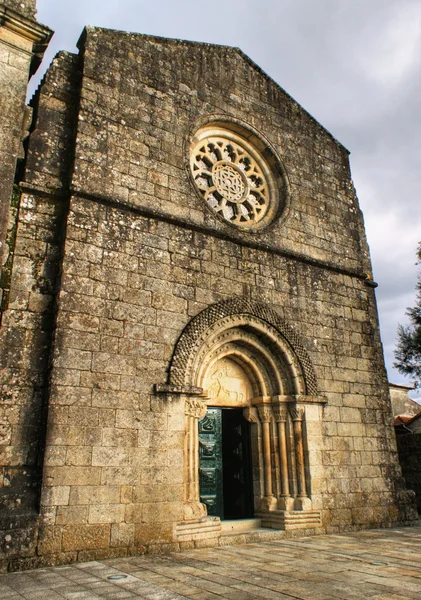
<point>354,65</point>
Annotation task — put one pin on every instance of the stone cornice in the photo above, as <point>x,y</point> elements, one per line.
<point>179,222</point>
<point>228,236</point>
<point>24,27</point>
<point>27,35</point>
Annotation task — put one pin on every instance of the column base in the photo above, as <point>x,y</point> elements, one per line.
<point>291,519</point>
<point>192,511</point>
<point>303,503</point>
<point>286,503</point>
<point>268,503</point>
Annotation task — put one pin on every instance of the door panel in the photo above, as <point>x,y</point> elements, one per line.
<point>225,474</point>
<point>210,462</point>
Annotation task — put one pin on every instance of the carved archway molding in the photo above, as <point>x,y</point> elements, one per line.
<point>197,332</point>
<point>283,385</point>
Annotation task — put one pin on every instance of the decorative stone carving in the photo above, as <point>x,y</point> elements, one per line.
<point>265,413</point>
<point>297,413</point>
<point>238,175</point>
<point>195,407</point>
<point>280,413</point>
<point>227,384</point>
<point>250,414</point>
<point>241,354</point>
<point>232,177</point>
<point>240,310</point>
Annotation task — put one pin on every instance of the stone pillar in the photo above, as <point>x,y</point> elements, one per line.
<point>22,45</point>
<point>297,414</point>
<point>266,417</point>
<point>194,409</point>
<point>280,412</point>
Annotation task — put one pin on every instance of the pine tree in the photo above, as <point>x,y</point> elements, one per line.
<point>408,347</point>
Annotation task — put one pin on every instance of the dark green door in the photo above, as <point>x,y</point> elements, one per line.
<point>225,465</point>
<point>210,462</point>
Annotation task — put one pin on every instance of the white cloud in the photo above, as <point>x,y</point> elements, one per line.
<point>396,50</point>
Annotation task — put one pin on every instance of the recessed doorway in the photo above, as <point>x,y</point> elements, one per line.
<point>225,469</point>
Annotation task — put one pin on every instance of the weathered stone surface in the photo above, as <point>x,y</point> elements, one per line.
<point>85,537</point>
<point>133,306</point>
<point>25,7</point>
<point>19,52</point>
<point>409,449</point>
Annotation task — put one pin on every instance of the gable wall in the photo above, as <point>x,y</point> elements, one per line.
<point>139,111</point>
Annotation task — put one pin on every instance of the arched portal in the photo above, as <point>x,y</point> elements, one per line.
<point>241,354</point>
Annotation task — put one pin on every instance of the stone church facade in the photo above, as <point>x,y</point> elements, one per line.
<point>189,331</point>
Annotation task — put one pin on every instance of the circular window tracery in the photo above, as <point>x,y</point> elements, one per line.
<point>233,178</point>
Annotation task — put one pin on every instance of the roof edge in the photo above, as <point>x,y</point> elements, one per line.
<point>161,39</point>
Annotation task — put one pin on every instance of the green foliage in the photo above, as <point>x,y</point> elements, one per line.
<point>408,348</point>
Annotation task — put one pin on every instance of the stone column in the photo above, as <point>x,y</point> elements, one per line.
<point>194,409</point>
<point>285,501</point>
<point>297,414</point>
<point>266,418</point>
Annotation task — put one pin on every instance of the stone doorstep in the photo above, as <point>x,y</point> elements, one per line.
<point>248,531</point>
<point>240,525</point>
<point>258,534</point>
<point>282,525</point>
<point>269,526</point>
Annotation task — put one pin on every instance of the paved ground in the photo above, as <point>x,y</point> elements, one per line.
<point>373,565</point>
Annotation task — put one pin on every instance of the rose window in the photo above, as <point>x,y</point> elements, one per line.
<point>233,178</point>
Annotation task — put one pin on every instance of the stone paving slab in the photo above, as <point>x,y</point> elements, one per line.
<point>381,564</point>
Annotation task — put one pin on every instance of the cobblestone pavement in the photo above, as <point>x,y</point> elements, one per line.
<point>375,565</point>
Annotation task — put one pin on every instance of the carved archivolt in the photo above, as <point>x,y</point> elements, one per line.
<point>246,331</point>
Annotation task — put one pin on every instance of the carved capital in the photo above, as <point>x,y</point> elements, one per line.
<point>280,413</point>
<point>194,407</point>
<point>265,413</point>
<point>297,413</point>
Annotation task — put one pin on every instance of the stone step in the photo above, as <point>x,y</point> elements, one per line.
<point>240,525</point>
<point>250,536</point>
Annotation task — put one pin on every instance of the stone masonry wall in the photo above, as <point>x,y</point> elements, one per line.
<point>14,73</point>
<point>28,320</point>
<point>24,7</point>
<point>409,448</point>
<point>22,44</point>
<point>142,255</point>
<point>138,113</point>
<point>118,323</point>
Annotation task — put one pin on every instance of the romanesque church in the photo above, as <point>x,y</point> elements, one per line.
<point>189,339</point>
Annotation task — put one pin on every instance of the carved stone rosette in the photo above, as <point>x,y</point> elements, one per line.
<point>235,178</point>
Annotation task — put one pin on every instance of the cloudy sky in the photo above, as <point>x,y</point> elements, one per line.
<point>355,65</point>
